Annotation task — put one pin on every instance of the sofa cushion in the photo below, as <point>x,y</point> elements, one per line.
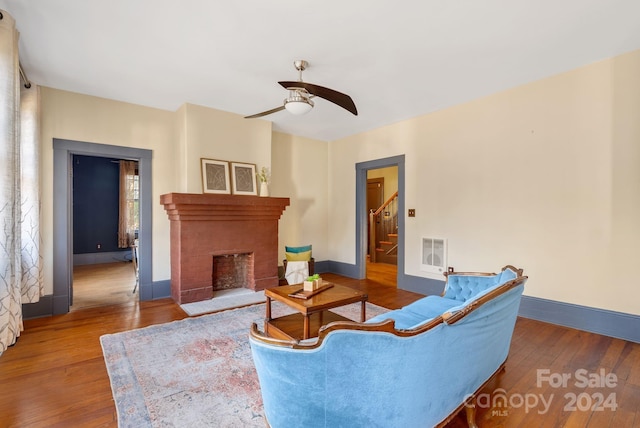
<point>431,306</point>
<point>404,319</point>
<point>418,312</point>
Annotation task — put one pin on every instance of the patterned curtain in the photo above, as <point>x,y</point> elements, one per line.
<point>20,260</point>
<point>127,223</point>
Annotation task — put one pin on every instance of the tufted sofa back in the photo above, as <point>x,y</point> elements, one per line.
<point>463,286</point>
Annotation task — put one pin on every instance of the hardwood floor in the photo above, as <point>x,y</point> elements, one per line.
<point>103,284</point>
<point>55,375</point>
<point>382,273</point>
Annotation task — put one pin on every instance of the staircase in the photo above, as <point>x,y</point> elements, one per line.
<point>383,232</point>
<point>387,252</point>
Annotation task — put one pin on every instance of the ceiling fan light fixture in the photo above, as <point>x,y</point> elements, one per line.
<point>300,95</point>
<point>298,105</point>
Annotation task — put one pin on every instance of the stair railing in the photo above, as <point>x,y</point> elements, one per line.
<point>382,223</point>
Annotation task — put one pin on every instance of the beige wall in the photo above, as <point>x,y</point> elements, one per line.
<point>216,134</point>
<point>545,176</point>
<point>300,173</point>
<point>178,141</point>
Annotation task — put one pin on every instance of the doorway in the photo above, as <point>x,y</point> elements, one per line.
<point>105,218</point>
<point>375,199</point>
<point>382,209</point>
<point>362,213</point>
<point>63,151</point>
<point>382,206</point>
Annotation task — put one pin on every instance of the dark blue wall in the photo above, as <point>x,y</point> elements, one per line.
<point>95,204</point>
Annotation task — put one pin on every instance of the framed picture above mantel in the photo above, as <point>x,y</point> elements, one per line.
<point>243,178</point>
<point>215,176</point>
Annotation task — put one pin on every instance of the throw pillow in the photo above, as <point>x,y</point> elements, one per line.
<point>302,249</point>
<point>304,256</point>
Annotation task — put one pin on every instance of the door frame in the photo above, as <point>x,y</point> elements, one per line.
<point>63,215</point>
<point>362,214</point>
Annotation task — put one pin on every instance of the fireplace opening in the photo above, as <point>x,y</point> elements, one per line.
<point>232,271</point>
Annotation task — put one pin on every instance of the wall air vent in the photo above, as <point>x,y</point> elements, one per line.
<point>434,255</point>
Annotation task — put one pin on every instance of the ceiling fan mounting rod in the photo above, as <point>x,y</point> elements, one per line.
<point>300,65</point>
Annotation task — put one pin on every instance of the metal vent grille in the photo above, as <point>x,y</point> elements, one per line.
<point>434,255</point>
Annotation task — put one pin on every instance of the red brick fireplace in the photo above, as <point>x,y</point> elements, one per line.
<point>206,227</point>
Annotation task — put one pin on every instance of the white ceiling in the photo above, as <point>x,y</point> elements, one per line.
<point>396,59</point>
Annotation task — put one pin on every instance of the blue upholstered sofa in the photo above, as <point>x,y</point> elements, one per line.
<point>413,367</point>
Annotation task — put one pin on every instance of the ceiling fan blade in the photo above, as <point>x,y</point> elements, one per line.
<point>338,98</point>
<point>264,113</point>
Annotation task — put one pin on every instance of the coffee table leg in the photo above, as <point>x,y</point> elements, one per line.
<point>268,306</point>
<point>306,327</point>
<point>363,312</point>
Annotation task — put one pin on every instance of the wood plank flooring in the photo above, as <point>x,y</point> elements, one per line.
<point>103,284</point>
<point>382,273</point>
<point>55,375</point>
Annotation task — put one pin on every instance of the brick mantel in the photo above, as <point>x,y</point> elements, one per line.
<point>207,225</point>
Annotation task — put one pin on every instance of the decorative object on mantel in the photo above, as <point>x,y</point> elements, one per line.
<point>264,190</point>
<point>215,176</point>
<point>263,178</point>
<point>243,178</point>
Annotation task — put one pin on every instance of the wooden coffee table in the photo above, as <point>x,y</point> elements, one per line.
<point>313,312</point>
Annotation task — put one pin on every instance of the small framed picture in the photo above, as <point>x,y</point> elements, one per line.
<point>215,176</point>
<point>243,178</point>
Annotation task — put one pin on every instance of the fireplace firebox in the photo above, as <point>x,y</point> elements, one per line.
<point>232,271</point>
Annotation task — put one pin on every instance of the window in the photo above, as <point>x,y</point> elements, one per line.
<point>133,201</point>
<point>129,217</point>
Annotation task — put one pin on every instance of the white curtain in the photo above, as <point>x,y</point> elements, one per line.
<point>20,260</point>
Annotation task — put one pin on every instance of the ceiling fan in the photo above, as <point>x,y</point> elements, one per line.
<point>300,95</point>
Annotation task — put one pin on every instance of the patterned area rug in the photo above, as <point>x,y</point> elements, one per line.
<point>197,372</point>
